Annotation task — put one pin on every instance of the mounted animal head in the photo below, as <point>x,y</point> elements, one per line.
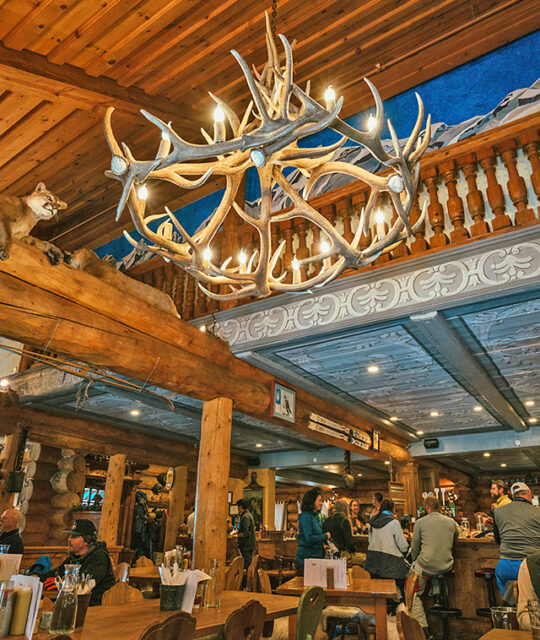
<point>43,203</point>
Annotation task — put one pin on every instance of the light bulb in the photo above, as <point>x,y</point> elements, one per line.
<point>135,412</point>
<point>142,193</point>
<point>207,254</point>
<point>372,122</point>
<point>379,216</point>
<point>242,258</point>
<point>202,328</point>
<point>4,382</point>
<point>295,263</point>
<point>325,246</point>
<point>329,94</point>
<point>219,114</point>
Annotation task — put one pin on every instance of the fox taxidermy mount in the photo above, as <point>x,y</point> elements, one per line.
<point>19,215</point>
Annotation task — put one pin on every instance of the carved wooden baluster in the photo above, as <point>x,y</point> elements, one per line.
<point>213,305</point>
<point>302,252</point>
<point>454,204</point>
<point>202,303</point>
<point>494,191</point>
<point>315,246</point>
<point>516,184</point>
<point>475,199</point>
<point>288,253</point>
<point>168,271</point>
<point>159,277</point>
<point>435,209</point>
<point>383,203</point>
<point>419,243</point>
<point>329,212</point>
<point>276,239</point>
<point>402,249</point>
<point>189,308</point>
<point>529,141</point>
<point>358,202</point>
<point>344,211</point>
<point>177,290</point>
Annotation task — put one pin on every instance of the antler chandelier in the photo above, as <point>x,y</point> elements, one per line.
<point>266,137</point>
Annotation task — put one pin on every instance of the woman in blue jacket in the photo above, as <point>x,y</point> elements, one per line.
<point>311,538</point>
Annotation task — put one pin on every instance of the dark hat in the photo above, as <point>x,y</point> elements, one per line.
<point>242,503</point>
<point>82,527</point>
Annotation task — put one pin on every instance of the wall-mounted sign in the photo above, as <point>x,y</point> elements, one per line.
<point>170,478</point>
<point>339,431</point>
<point>375,440</point>
<point>283,403</point>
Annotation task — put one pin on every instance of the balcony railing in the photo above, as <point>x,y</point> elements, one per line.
<point>487,184</point>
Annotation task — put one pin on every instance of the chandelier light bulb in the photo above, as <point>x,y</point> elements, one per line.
<point>142,193</point>
<point>325,246</point>
<point>379,216</point>
<point>4,383</point>
<point>329,94</point>
<point>207,254</point>
<point>372,122</point>
<point>295,263</point>
<point>242,258</point>
<point>219,114</point>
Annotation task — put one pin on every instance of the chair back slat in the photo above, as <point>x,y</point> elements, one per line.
<point>245,623</point>
<point>309,613</point>
<point>252,581</point>
<point>143,561</point>
<point>264,580</point>
<point>178,626</point>
<point>358,573</point>
<point>410,589</point>
<point>121,593</point>
<point>408,628</point>
<point>234,575</point>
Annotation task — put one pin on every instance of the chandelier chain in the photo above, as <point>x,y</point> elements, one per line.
<point>274,17</point>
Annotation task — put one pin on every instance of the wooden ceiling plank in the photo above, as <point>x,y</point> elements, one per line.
<point>39,122</point>
<point>13,11</point>
<point>128,71</point>
<point>14,108</point>
<point>18,36</point>
<point>68,83</point>
<point>156,17</point>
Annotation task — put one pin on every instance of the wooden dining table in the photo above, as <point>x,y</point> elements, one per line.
<point>128,621</point>
<point>142,576</point>
<point>367,594</point>
<point>506,634</point>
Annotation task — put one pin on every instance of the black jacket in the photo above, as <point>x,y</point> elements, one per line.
<point>340,530</point>
<point>13,538</point>
<point>246,532</point>
<point>97,562</point>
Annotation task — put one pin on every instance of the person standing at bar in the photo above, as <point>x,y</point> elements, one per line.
<point>516,527</point>
<point>376,502</point>
<point>356,520</point>
<point>311,537</point>
<point>246,532</point>
<point>499,493</point>
<point>431,553</point>
<point>339,526</point>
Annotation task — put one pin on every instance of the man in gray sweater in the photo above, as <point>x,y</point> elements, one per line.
<point>431,552</point>
<point>516,527</point>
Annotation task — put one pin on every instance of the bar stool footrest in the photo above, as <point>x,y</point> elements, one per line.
<point>483,612</point>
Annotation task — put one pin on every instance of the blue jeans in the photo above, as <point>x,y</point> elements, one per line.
<point>506,570</point>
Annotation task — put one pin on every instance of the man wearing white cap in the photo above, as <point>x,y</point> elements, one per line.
<point>516,528</point>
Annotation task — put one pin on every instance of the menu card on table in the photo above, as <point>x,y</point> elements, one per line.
<point>316,572</point>
<point>33,583</point>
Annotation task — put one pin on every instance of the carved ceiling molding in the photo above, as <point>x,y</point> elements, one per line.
<point>494,267</point>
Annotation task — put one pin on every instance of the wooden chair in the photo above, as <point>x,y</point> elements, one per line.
<point>121,573</point>
<point>358,573</point>
<point>309,613</point>
<point>408,628</point>
<point>245,623</point>
<point>264,581</point>
<point>178,626</point>
<point>143,561</point>
<point>252,576</point>
<point>410,589</point>
<point>234,575</point>
<point>122,593</point>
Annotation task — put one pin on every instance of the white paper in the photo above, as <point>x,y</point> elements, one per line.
<point>315,572</point>
<point>190,592</point>
<point>34,583</point>
<point>9,565</point>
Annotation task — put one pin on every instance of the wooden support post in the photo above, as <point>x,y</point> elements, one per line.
<point>9,460</point>
<point>211,508</point>
<point>110,510</point>
<point>267,479</point>
<point>408,475</point>
<point>177,498</point>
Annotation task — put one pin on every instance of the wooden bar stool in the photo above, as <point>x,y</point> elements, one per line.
<point>488,575</point>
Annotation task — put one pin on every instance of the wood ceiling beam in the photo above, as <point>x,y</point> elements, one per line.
<point>75,314</point>
<point>448,472</point>
<point>72,86</point>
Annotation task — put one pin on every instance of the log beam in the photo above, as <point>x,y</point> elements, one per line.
<point>175,515</point>
<point>76,314</point>
<point>110,510</point>
<point>211,507</point>
<point>9,460</point>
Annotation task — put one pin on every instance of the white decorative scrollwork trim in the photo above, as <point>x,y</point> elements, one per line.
<point>449,282</point>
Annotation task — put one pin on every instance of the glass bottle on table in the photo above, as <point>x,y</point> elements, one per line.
<point>65,608</point>
<point>213,588</point>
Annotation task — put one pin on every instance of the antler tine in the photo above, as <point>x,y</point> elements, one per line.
<point>109,135</point>
<point>421,148</point>
<point>252,86</point>
<point>164,146</point>
<point>286,89</point>
<point>417,127</point>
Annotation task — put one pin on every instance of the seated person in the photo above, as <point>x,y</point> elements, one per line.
<point>529,588</point>
<point>10,522</point>
<point>91,555</point>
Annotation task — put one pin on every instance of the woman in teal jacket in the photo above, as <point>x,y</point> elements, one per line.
<point>311,538</point>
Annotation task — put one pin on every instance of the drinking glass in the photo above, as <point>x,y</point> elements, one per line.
<point>534,612</point>
<point>4,548</point>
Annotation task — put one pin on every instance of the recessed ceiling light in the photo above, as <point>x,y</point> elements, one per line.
<point>477,408</point>
<point>434,414</point>
<point>420,432</point>
<point>503,464</point>
<point>327,466</point>
<point>359,475</point>
<point>487,454</point>
<point>529,403</point>
<point>135,412</point>
<point>258,444</point>
<point>533,420</point>
<point>394,418</point>
<point>4,382</point>
<point>387,462</point>
<point>373,368</point>
<point>202,328</point>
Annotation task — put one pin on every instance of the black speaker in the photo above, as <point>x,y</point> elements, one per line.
<point>431,443</point>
